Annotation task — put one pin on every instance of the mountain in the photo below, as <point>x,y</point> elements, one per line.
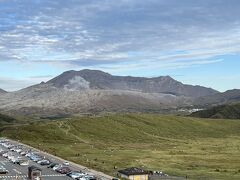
<point>93,79</point>
<point>45,99</point>
<point>229,111</point>
<point>2,91</point>
<point>230,96</point>
<point>91,91</point>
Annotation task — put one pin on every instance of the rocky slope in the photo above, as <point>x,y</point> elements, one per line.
<point>93,79</point>
<point>2,91</point>
<point>45,99</point>
<point>91,91</point>
<point>231,96</point>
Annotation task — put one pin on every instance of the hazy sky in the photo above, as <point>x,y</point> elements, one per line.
<point>194,41</point>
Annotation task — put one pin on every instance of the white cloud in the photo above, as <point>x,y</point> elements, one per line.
<point>122,34</point>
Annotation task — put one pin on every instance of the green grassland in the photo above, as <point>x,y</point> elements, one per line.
<point>180,146</point>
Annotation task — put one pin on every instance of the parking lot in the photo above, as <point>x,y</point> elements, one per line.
<point>16,158</point>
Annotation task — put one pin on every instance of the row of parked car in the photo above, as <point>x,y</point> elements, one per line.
<point>21,159</point>
<point>11,156</point>
<point>63,169</point>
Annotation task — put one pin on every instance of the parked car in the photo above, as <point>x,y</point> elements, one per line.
<point>2,152</point>
<point>28,154</point>
<point>19,150</point>
<point>9,146</point>
<point>52,165</point>
<point>87,177</point>
<point>5,154</point>
<point>15,148</point>
<point>57,167</point>
<point>3,170</point>
<point>10,157</point>
<point>44,162</point>
<point>63,170</point>
<point>76,174</point>
<point>66,163</point>
<point>23,153</point>
<point>36,158</point>
<point>23,162</point>
<point>15,160</point>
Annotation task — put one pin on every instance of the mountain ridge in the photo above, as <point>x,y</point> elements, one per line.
<point>229,96</point>
<point>95,79</point>
<point>93,91</point>
<point>2,91</point>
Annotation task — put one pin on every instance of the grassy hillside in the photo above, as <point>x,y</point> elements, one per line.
<point>231,111</point>
<point>200,149</point>
<point>4,119</point>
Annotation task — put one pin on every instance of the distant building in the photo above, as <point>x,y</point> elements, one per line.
<point>133,173</point>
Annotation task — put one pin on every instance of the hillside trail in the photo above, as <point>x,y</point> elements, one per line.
<point>66,128</point>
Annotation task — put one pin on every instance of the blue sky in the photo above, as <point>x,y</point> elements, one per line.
<point>195,42</point>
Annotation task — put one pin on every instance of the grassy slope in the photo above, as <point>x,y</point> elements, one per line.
<point>231,111</point>
<point>200,149</point>
<point>4,119</point>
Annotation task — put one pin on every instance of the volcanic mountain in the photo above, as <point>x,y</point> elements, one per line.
<point>93,79</point>
<point>92,91</point>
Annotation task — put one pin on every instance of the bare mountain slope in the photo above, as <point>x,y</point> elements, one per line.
<point>93,79</point>
<point>45,99</point>
<point>2,91</point>
<point>90,91</point>
<point>230,96</point>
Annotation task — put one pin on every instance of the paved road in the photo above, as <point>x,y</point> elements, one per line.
<point>20,172</point>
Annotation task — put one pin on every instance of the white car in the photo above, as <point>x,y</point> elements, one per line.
<point>76,174</point>
<point>8,155</point>
<point>23,163</point>
<point>57,166</point>
<point>89,177</point>
<point>11,157</point>
<point>15,160</point>
<point>66,163</point>
<point>5,155</point>
<point>18,150</point>
<point>29,154</point>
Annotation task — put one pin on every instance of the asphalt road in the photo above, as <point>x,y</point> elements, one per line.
<point>20,172</point>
